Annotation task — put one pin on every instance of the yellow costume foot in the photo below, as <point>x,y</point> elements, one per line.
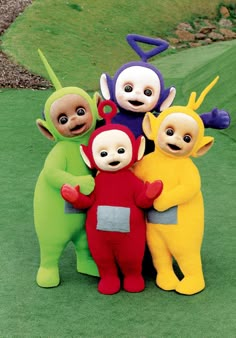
<point>48,278</point>
<point>88,267</point>
<point>167,281</point>
<point>190,285</point>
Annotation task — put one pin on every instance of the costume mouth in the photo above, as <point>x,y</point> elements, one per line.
<point>77,128</point>
<point>114,163</point>
<point>173,147</point>
<point>136,103</point>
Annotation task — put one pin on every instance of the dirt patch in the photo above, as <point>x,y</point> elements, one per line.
<point>13,75</point>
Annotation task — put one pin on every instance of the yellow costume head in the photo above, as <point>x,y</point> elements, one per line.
<point>179,131</point>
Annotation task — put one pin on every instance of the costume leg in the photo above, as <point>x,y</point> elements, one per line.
<point>130,254</point>
<point>48,272</point>
<point>104,258</point>
<point>162,259</point>
<point>85,262</point>
<point>191,267</point>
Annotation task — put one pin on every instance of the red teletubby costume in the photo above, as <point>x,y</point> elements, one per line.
<point>115,222</point>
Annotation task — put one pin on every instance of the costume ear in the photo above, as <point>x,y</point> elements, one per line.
<point>43,128</point>
<point>169,99</point>
<point>149,118</point>
<point>83,151</point>
<point>105,83</point>
<point>141,149</point>
<point>97,99</point>
<point>205,145</point>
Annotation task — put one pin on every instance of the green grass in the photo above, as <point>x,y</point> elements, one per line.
<point>83,39</point>
<point>192,70</point>
<point>75,308</point>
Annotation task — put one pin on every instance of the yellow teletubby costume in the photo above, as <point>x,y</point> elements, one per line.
<point>175,224</point>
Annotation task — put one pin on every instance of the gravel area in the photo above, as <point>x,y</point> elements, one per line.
<point>11,74</point>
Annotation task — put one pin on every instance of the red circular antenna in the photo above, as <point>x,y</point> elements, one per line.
<point>107,116</point>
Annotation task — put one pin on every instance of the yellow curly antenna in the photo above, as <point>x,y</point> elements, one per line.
<point>192,103</point>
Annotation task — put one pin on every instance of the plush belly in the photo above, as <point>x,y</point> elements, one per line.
<point>52,214</point>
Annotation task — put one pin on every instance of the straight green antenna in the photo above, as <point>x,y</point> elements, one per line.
<point>56,83</point>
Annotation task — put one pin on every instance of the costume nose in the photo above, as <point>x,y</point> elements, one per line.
<point>112,155</point>
<point>73,117</point>
<point>137,91</point>
<point>177,137</point>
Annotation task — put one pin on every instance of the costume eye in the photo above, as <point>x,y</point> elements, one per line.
<point>80,111</point>
<point>148,92</point>
<point>128,88</point>
<point>121,151</point>
<point>187,138</point>
<point>170,132</point>
<point>63,119</point>
<point>103,153</point>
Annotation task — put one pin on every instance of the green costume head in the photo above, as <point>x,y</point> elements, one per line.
<point>69,112</point>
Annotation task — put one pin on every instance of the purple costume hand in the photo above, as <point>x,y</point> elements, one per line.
<point>216,119</point>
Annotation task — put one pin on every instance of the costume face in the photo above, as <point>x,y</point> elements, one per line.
<point>71,115</point>
<point>112,150</point>
<point>177,134</point>
<point>137,89</point>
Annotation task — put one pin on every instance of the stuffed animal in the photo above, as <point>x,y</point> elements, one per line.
<point>138,87</point>
<point>175,224</point>
<point>70,116</point>
<point>115,223</point>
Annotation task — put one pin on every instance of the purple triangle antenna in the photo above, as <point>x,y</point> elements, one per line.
<point>160,45</point>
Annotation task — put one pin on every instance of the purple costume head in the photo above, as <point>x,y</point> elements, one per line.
<point>138,86</point>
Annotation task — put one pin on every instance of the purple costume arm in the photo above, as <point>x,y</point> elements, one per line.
<point>216,119</point>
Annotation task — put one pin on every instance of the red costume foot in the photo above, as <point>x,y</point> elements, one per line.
<point>109,285</point>
<point>134,284</point>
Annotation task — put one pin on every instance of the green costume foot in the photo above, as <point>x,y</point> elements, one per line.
<point>48,278</point>
<point>167,281</point>
<point>190,285</point>
<point>88,267</point>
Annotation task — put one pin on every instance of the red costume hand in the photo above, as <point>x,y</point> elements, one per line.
<point>69,193</point>
<point>154,189</point>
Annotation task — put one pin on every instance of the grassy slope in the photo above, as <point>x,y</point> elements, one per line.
<point>199,68</point>
<point>83,44</point>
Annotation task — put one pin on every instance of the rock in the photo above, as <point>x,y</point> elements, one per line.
<point>207,41</point>
<point>225,23</point>
<point>216,36</point>
<point>185,26</point>
<point>184,35</point>
<point>200,36</point>
<point>173,41</point>
<point>195,44</point>
<point>224,12</point>
<point>227,33</point>
<point>206,29</point>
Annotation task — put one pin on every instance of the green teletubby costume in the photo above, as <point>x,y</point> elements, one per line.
<point>56,222</point>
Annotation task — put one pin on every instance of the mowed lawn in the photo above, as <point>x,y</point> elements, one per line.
<point>75,308</point>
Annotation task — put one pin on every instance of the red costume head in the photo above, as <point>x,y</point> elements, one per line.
<point>112,147</point>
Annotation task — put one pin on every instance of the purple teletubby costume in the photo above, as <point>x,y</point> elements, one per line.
<point>138,87</point>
